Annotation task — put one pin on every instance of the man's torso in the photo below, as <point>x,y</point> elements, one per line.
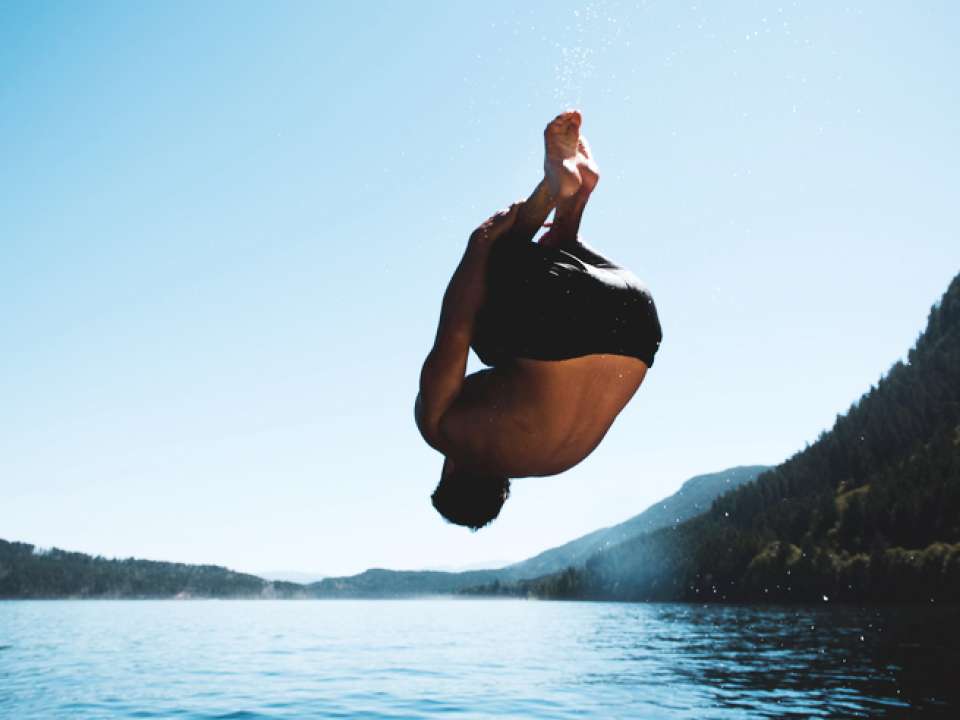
<point>535,417</point>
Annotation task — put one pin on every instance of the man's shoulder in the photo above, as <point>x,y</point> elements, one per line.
<point>470,419</point>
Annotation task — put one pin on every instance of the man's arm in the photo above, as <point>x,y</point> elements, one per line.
<point>441,378</point>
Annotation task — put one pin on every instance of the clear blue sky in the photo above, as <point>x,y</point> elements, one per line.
<point>225,230</point>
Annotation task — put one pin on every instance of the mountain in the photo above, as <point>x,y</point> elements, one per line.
<point>380,583</point>
<point>28,572</point>
<point>869,512</point>
<point>293,576</point>
<point>693,498</point>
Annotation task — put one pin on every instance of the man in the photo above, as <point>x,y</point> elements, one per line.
<point>569,336</point>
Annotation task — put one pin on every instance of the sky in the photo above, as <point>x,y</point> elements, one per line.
<point>226,228</point>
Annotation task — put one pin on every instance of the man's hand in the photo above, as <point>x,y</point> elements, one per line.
<point>496,225</point>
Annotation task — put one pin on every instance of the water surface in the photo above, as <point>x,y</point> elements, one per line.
<point>473,658</point>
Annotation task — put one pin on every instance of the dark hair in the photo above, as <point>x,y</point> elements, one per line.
<point>470,499</point>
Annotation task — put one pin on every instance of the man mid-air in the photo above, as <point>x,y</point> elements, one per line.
<point>568,335</point>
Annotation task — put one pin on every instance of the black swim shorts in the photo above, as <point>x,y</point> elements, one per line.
<point>545,303</point>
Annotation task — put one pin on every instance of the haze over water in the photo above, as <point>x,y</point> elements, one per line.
<point>472,658</point>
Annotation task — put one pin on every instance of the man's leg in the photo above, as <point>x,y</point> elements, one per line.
<point>562,177</point>
<point>564,233</point>
<point>532,214</point>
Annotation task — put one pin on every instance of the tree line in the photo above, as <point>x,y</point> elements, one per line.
<point>28,572</point>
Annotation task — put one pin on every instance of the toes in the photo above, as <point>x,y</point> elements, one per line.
<point>571,117</point>
<point>563,122</point>
<point>583,147</point>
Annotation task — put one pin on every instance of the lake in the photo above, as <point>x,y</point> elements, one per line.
<point>473,658</point>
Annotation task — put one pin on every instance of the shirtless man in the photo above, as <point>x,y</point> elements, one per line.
<point>569,336</point>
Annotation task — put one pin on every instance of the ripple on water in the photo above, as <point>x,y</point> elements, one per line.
<point>472,658</point>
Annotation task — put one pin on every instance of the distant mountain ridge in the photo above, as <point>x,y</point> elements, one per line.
<point>293,576</point>
<point>382,583</point>
<point>693,497</point>
<point>26,571</point>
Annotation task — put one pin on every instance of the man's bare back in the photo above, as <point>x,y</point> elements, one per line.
<point>549,400</point>
<point>539,417</point>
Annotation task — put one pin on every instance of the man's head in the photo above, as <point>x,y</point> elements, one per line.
<point>469,498</point>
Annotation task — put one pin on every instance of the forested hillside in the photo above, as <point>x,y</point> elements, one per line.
<point>693,498</point>
<point>26,572</point>
<point>870,511</point>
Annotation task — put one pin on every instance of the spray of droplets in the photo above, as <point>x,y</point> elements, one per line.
<point>592,30</point>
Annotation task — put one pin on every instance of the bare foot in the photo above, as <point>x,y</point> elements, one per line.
<point>587,166</point>
<point>560,165</point>
<point>564,229</point>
